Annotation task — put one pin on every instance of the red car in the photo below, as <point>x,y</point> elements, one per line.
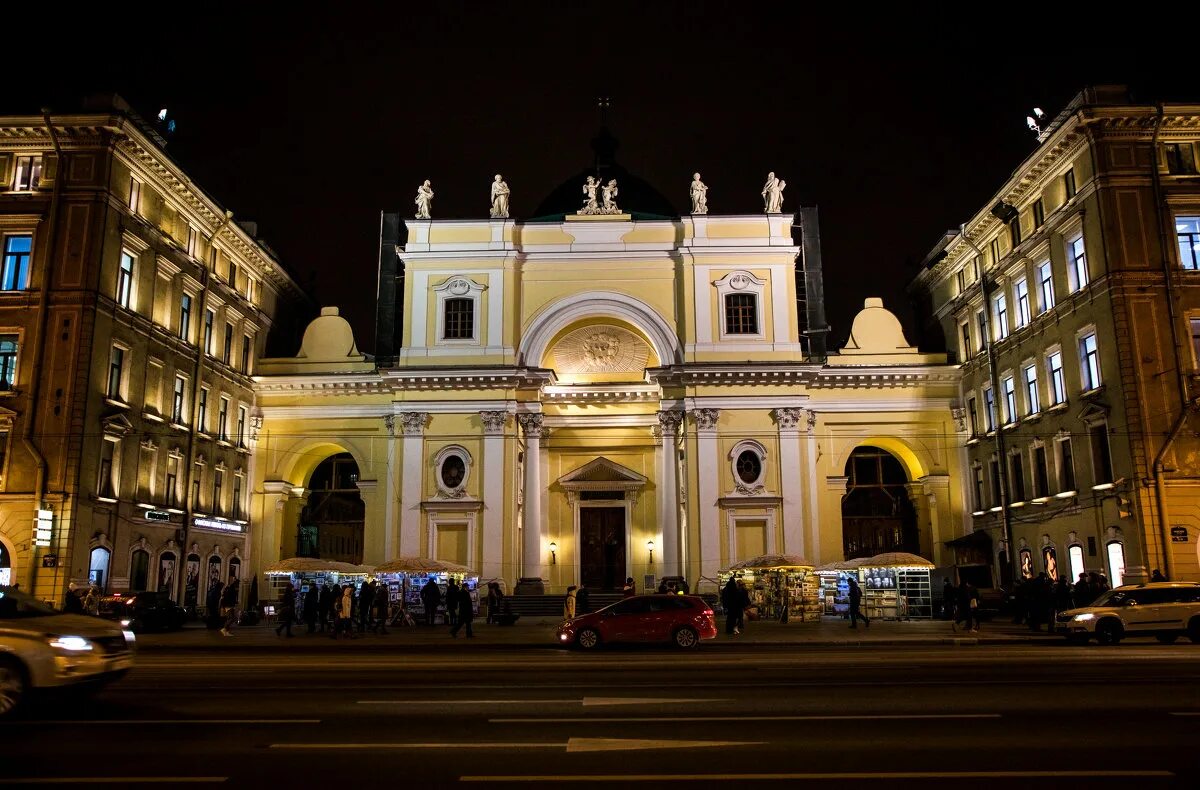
<point>681,620</point>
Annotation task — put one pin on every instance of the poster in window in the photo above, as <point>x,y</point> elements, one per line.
<point>166,573</point>
<point>191,589</point>
<point>1026,564</point>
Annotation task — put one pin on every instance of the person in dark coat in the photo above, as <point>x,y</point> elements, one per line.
<point>967,601</point>
<point>311,605</point>
<point>431,597</point>
<point>947,599</point>
<point>451,603</point>
<point>324,605</point>
<point>582,604</point>
<point>855,603</point>
<point>366,597</point>
<point>72,604</point>
<point>731,600</point>
<point>629,589</point>
<point>382,604</point>
<point>229,609</point>
<point>287,610</point>
<point>212,604</point>
<point>1084,592</point>
<point>1157,576</point>
<point>465,613</point>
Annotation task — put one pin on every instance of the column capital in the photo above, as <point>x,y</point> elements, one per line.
<point>788,419</point>
<point>389,421</point>
<point>669,421</point>
<point>494,422</point>
<point>533,426</point>
<point>706,419</point>
<point>414,422</point>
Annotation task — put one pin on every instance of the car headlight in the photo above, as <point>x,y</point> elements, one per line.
<point>71,644</point>
<point>125,623</point>
<point>129,637</point>
<point>1079,618</point>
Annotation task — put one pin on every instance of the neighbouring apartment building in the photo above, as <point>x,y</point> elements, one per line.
<point>1072,300</point>
<point>132,310</point>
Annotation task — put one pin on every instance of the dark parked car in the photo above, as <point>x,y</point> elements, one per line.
<point>681,620</point>
<point>143,611</point>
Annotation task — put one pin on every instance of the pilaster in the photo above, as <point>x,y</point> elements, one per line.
<point>789,421</point>
<point>708,482</point>
<point>411,477</point>
<point>494,423</point>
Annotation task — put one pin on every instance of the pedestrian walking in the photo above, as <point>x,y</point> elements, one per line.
<point>569,603</point>
<point>382,603</point>
<point>967,604</point>
<point>855,603</point>
<point>324,605</point>
<point>344,613</point>
<point>212,604</point>
<point>493,602</point>
<point>629,589</point>
<point>731,601</point>
<point>583,600</point>
<point>451,603</point>
<point>91,601</point>
<point>287,610</point>
<point>465,613</point>
<point>431,597</point>
<point>312,604</point>
<point>366,594</point>
<point>947,599</point>
<point>229,609</point>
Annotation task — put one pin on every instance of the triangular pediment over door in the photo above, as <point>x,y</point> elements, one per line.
<point>602,474</point>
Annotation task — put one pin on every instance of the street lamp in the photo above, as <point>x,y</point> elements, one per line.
<point>650,548</point>
<point>553,553</point>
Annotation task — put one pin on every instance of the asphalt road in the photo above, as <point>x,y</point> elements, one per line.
<point>1028,716</point>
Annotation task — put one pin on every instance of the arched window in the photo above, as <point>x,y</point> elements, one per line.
<point>213,575</point>
<point>877,514</point>
<point>98,564</point>
<point>1026,557</point>
<point>5,566</point>
<point>331,523</point>
<point>139,570</point>
<point>1075,553</point>
<point>453,465</point>
<point>1050,562</point>
<point>166,573</point>
<point>1116,563</point>
<point>191,585</point>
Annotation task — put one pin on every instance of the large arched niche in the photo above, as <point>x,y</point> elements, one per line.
<point>910,458</point>
<point>299,461</point>
<point>599,349</point>
<point>550,321</point>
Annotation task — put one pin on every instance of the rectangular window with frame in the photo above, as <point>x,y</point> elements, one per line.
<point>1077,264</point>
<point>960,278</point>
<point>994,474</point>
<point>227,350</point>
<point>1041,472</point>
<point>116,374</point>
<point>1101,454</point>
<point>1089,362</point>
<point>178,400</point>
<point>223,420</point>
<point>218,483</point>
<point>135,194</point>
<point>185,316</point>
<point>1181,159</point>
<point>245,358</point>
<point>18,248</point>
<point>106,481</point>
<point>965,329</point>
<point>196,486</point>
<point>233,274</point>
<point>977,490</point>
<point>1066,466</point>
<point>989,409</point>
<point>28,173</point>
<point>976,268</point>
<point>1016,477</point>
<point>241,426</point>
<point>1187,233</point>
<point>9,346</point>
<point>973,415</point>
<point>1008,386</point>
<point>1039,213</point>
<point>250,289</point>
<point>458,319</point>
<point>193,241</point>
<point>125,274</point>
<point>1195,325</point>
<point>1032,400</point>
<point>209,318</point>
<point>202,412</point>
<point>1045,276</point>
<point>1024,313</point>
<point>236,504</point>
<point>1000,314</point>
<point>1058,383</point>
<point>1069,183</point>
<point>1014,232</point>
<point>994,249</point>
<point>741,314</point>
<point>172,480</point>
<point>981,329</point>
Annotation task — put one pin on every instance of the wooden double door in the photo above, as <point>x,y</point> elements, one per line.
<point>602,547</point>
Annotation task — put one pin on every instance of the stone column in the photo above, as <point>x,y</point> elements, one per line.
<point>791,473</point>
<point>269,530</point>
<point>532,565</point>
<point>412,478</point>
<point>935,490</point>
<point>391,493</point>
<point>373,537</point>
<point>668,491</point>
<point>708,483</point>
<point>492,564</point>
<point>812,496</point>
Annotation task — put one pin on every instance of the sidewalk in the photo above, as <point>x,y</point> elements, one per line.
<point>540,634</point>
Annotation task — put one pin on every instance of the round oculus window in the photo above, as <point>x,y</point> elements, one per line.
<point>453,471</point>
<point>749,467</point>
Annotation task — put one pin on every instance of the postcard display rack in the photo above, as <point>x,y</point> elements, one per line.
<point>412,584</point>
<point>896,593</point>
<point>769,588</point>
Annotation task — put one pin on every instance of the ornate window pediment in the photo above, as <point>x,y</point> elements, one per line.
<point>740,298</point>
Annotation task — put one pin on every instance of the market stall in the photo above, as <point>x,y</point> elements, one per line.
<point>781,586</point>
<point>833,586</point>
<point>305,571</point>
<point>406,576</point>
<point>896,585</point>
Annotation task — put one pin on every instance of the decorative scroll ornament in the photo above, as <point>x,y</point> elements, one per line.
<point>669,422</point>
<point>532,425</point>
<point>787,419</point>
<point>493,421</point>
<point>414,422</point>
<point>706,419</point>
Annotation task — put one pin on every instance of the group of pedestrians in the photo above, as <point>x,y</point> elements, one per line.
<point>334,609</point>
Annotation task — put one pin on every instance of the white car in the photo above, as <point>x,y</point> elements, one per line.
<point>1166,610</point>
<point>41,647</point>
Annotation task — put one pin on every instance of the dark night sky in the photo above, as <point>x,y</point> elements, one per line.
<point>896,126</point>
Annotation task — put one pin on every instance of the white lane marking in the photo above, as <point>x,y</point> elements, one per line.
<point>587,702</point>
<point>633,744</point>
<point>628,719</point>
<point>112,780</point>
<point>567,779</point>
<point>128,722</point>
<point>383,746</point>
<point>1185,713</point>
<point>590,701</point>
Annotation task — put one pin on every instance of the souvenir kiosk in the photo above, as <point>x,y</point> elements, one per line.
<point>782,587</point>
<point>833,583</point>
<point>896,585</point>
<point>405,576</point>
<point>302,571</point>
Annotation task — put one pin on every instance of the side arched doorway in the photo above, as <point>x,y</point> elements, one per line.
<point>877,515</point>
<point>332,520</point>
<point>6,570</point>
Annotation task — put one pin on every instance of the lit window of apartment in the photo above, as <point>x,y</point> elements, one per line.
<point>185,316</point>
<point>209,318</point>
<point>1024,313</point>
<point>1041,472</point>
<point>1009,388</point>
<point>1066,466</point>
<point>965,333</point>
<point>1101,456</point>
<point>1187,231</point>
<point>15,274</point>
<point>1045,276</point>
<point>1000,314</point>
<point>1016,478</point>
<point>1077,266</point>
<point>250,290</point>
<point>28,173</point>
<point>227,352</point>
<point>193,241</point>
<point>1039,214</point>
<point>981,328</point>
<point>135,194</point>
<point>1058,384</point>
<point>178,399</point>
<point>125,275</point>
<point>1032,400</point>
<point>1089,362</point>
<point>9,345</point>
<point>202,413</point>
<point>241,426</point>
<point>116,374</point>
<point>223,420</point>
<point>1069,183</point>
<point>989,409</point>
<point>1195,324</point>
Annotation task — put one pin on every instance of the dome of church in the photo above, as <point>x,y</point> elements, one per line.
<point>328,338</point>
<point>637,196</point>
<point>876,330</point>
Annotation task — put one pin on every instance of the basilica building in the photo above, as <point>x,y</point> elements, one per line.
<point>591,396</point>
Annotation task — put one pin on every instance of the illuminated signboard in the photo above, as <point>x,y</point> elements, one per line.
<point>42,526</point>
<point>223,526</point>
<point>157,515</point>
